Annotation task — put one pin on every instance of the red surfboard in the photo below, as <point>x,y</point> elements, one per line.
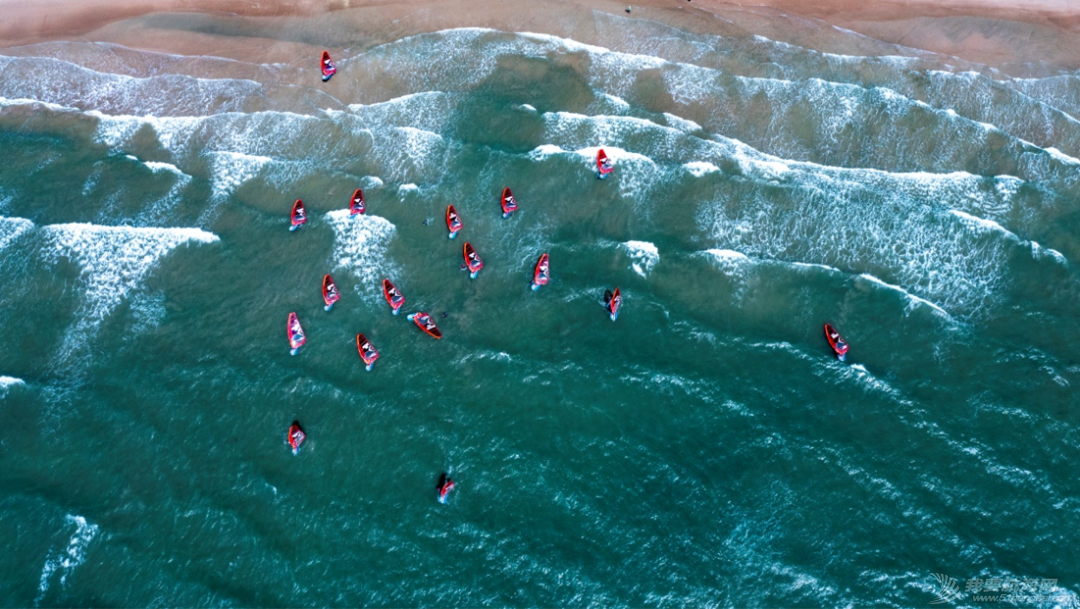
<point>453,221</point>
<point>296,334</point>
<point>509,205</point>
<point>604,164</point>
<point>614,304</point>
<point>296,436</point>
<point>367,351</point>
<point>330,293</point>
<point>541,275</point>
<point>472,260</point>
<point>393,296</point>
<point>298,215</point>
<point>328,67</point>
<point>356,204</point>
<point>839,346</point>
<point>425,323</point>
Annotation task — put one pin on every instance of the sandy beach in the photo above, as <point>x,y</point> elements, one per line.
<point>1001,33</point>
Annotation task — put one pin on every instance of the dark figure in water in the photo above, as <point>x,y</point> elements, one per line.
<point>607,297</point>
<point>444,314</point>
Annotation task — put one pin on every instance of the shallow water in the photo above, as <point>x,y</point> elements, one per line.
<point>704,449</point>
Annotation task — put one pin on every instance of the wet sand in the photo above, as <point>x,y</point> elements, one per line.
<point>1002,33</point>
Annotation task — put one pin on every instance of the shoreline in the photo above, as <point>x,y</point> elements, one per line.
<point>1041,36</point>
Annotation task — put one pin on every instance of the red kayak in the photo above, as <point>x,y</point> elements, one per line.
<point>356,205</point>
<point>604,164</point>
<point>838,345</point>
<point>541,275</point>
<point>425,323</point>
<point>367,351</point>
<point>296,334</point>
<point>299,214</point>
<point>453,222</point>
<point>613,304</point>
<point>327,65</point>
<point>296,436</point>
<point>393,296</point>
<point>472,260</point>
<point>509,205</point>
<point>330,293</point>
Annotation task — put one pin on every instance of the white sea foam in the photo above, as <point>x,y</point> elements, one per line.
<point>370,182</point>
<point>1039,252</point>
<point>983,225</point>
<point>608,104</point>
<point>838,107</point>
<point>158,167</point>
<point>644,256</point>
<point>1061,156</point>
<point>916,199</point>
<point>430,111</point>
<point>637,173</point>
<point>1053,152</point>
<point>728,255</point>
<point>912,299</point>
<point>229,171</point>
<point>682,124</point>
<point>544,151</point>
<point>157,94</point>
<point>842,216</point>
<point>67,560</point>
<point>117,131</point>
<point>730,262</point>
<point>360,247</point>
<point>769,169</point>
<point>734,263</point>
<point>11,228</point>
<point>25,101</point>
<point>407,153</point>
<point>700,168</point>
<point>813,266</point>
<point>7,382</point>
<point>113,261</point>
<point>156,212</point>
<point>580,129</point>
<point>147,310</point>
<point>638,176</point>
<point>863,377</point>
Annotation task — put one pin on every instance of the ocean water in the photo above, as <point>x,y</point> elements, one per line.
<point>706,449</point>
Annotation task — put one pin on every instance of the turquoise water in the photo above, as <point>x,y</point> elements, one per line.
<point>705,449</point>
